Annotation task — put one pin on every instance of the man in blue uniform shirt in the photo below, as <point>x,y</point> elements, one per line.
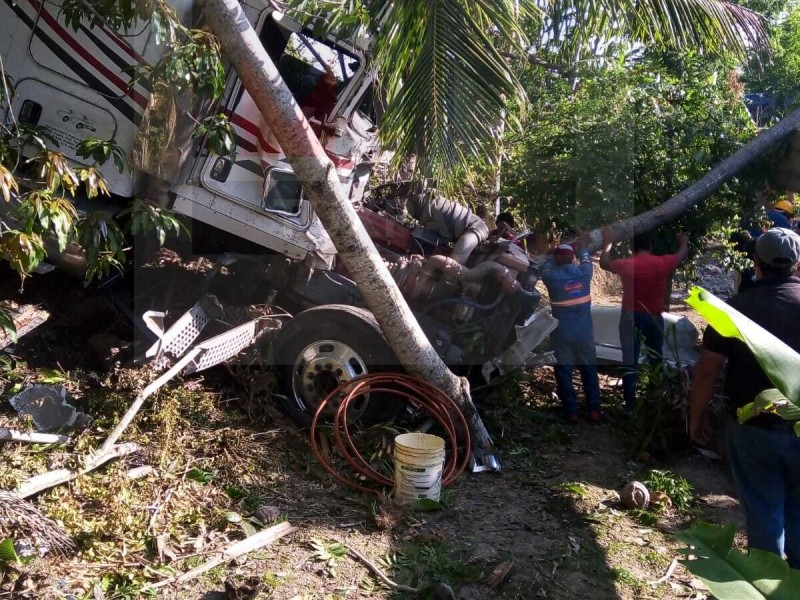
<point>568,282</point>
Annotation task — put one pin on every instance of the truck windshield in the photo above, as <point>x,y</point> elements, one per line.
<point>316,73</point>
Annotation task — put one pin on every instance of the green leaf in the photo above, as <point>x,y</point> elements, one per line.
<point>248,528</point>
<point>427,505</point>
<point>770,401</point>
<point>779,361</point>
<point>7,324</point>
<point>235,492</point>
<point>51,376</point>
<point>731,574</point>
<point>7,552</point>
<point>200,476</point>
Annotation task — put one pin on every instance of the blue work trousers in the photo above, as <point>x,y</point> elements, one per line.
<point>572,350</point>
<point>632,327</point>
<point>766,469</point>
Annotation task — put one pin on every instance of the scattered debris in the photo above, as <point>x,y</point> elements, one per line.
<point>267,514</point>
<point>667,575</point>
<point>661,499</point>
<point>26,318</point>
<point>248,590</point>
<point>499,574</point>
<point>33,533</point>
<point>48,407</point>
<point>140,472</point>
<point>13,435</point>
<point>635,495</point>
<point>39,483</point>
<point>176,349</point>
<point>240,548</point>
<point>380,574</point>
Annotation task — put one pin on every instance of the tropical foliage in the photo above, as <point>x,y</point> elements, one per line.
<point>448,66</point>
<point>628,137</point>
<point>39,216</point>
<point>779,361</point>
<point>731,574</point>
<point>778,79</point>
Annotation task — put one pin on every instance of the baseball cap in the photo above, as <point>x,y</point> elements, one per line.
<point>779,247</point>
<point>563,254</point>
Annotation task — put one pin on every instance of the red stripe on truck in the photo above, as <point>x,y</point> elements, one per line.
<point>87,56</point>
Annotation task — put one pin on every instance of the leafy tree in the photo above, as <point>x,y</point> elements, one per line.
<point>629,137</point>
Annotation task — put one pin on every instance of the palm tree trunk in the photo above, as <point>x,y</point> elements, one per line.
<point>704,187</point>
<point>240,45</point>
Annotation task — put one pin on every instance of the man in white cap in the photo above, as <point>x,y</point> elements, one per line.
<point>764,452</point>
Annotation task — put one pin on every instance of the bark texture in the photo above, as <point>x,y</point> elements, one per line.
<point>703,187</point>
<point>260,77</point>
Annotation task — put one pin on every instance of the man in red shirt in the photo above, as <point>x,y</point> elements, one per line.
<point>644,285</point>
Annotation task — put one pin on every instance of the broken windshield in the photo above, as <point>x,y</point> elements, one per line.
<point>316,73</point>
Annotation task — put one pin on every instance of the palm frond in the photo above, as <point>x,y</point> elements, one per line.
<point>446,81</point>
<point>708,25</point>
<point>448,85</point>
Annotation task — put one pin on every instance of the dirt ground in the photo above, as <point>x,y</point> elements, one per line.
<point>223,455</point>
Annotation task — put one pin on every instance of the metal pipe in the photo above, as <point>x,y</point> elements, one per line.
<point>502,274</point>
<point>467,302</point>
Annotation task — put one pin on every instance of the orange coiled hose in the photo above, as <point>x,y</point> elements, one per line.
<point>418,393</point>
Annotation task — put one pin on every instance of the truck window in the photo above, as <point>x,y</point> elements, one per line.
<point>283,193</point>
<point>316,73</point>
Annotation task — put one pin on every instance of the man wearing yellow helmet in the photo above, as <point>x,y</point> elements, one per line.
<point>781,213</point>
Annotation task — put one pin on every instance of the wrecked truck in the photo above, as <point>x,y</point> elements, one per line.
<point>473,294</point>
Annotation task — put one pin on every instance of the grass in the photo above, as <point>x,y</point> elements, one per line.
<point>679,490</point>
<point>418,564</point>
<point>626,578</point>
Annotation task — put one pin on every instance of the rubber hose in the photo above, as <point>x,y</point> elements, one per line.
<point>418,393</point>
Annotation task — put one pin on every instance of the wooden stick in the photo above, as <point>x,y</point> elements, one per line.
<point>45,481</point>
<point>32,437</point>
<point>139,472</point>
<point>667,575</point>
<point>245,546</point>
<point>380,574</point>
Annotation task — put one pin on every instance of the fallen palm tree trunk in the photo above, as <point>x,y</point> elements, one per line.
<point>25,317</point>
<point>323,189</point>
<point>703,187</point>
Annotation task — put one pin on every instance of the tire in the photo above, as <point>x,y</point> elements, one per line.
<point>325,346</point>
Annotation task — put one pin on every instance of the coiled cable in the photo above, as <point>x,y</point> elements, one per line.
<point>420,395</point>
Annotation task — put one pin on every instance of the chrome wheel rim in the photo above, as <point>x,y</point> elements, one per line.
<point>320,368</point>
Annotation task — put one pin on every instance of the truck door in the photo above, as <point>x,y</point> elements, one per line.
<point>73,81</point>
<point>323,77</point>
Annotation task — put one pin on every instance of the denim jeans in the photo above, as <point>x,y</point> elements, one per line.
<point>581,352</point>
<point>766,469</point>
<point>632,327</point>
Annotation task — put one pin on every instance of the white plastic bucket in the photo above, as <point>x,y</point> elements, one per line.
<point>418,463</point>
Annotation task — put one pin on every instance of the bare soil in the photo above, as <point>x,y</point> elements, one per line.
<point>219,447</point>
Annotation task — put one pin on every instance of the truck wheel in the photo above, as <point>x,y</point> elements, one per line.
<point>325,346</point>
